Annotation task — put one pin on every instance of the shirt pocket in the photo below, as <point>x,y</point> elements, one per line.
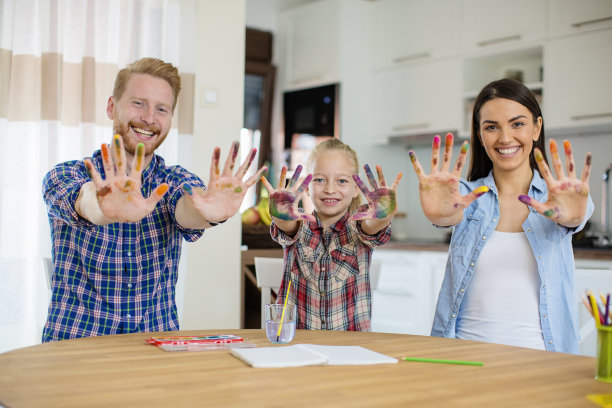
<point>345,262</point>
<point>467,231</point>
<point>306,261</point>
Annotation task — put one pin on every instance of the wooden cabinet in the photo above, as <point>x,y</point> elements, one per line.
<point>418,98</point>
<point>578,80</point>
<point>411,30</point>
<point>309,44</point>
<point>493,23</point>
<point>572,17</point>
<point>407,292</point>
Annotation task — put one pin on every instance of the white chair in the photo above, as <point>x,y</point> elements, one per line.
<point>48,271</point>
<point>269,273</point>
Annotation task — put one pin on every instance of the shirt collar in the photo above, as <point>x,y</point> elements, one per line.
<point>338,226</point>
<point>537,183</point>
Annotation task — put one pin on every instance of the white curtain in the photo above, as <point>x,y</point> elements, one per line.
<point>58,61</point>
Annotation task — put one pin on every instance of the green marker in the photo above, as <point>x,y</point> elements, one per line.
<point>436,360</point>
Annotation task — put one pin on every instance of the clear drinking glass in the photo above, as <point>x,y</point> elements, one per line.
<point>273,314</point>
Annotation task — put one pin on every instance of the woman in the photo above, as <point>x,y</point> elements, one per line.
<point>510,272</point>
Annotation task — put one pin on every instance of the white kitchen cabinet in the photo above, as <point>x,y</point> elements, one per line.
<point>494,23</point>
<point>578,80</point>
<point>417,98</point>
<point>571,16</point>
<point>410,30</point>
<point>407,292</point>
<point>309,44</point>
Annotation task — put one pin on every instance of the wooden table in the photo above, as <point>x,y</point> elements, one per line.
<point>123,370</point>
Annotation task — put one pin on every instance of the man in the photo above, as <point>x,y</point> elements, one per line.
<point>117,220</point>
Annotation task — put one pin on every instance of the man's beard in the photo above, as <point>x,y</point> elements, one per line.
<point>130,144</point>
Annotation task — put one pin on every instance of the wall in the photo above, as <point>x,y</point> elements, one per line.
<point>212,285</point>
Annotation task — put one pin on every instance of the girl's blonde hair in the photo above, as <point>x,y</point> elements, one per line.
<point>336,144</point>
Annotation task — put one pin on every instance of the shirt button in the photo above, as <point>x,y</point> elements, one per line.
<point>544,316</point>
<point>494,220</point>
<point>461,290</point>
<point>453,315</point>
<point>129,285</point>
<point>544,286</point>
<point>472,264</point>
<point>549,341</point>
<point>129,253</point>
<point>128,315</point>
<point>528,229</point>
<point>484,237</point>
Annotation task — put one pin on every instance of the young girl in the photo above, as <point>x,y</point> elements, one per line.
<point>510,272</point>
<point>328,253</point>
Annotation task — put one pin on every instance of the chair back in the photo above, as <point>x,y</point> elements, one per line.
<point>269,273</point>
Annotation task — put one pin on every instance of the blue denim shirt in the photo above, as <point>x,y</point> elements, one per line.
<point>552,247</point>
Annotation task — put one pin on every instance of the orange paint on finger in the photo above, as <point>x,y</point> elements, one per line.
<point>161,190</point>
<point>568,147</point>
<point>553,146</point>
<point>105,152</point>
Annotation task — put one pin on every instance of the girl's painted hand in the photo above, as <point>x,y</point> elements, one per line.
<point>382,201</point>
<point>119,194</point>
<point>225,192</point>
<point>284,201</point>
<point>441,198</point>
<point>567,195</point>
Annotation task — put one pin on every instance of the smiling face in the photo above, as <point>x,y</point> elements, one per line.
<point>507,131</point>
<point>332,188</point>
<point>143,114</point>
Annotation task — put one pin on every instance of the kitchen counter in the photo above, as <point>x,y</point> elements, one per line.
<point>604,254</point>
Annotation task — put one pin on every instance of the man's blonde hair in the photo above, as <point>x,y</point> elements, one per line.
<point>336,144</point>
<point>150,66</point>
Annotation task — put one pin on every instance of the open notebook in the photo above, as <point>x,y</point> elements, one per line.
<point>310,354</point>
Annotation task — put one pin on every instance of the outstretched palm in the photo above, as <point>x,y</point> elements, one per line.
<point>284,201</point>
<point>382,201</point>
<point>225,192</point>
<point>441,198</point>
<point>567,195</point>
<point>119,193</point>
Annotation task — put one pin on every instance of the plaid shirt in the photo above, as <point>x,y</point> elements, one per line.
<point>330,273</point>
<point>116,278</point>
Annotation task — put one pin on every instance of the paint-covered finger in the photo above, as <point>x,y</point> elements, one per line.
<point>370,176</point>
<point>369,214</point>
<point>467,199</point>
<point>215,172</point>
<point>308,217</point>
<point>361,185</point>
<point>554,153</point>
<point>416,165</point>
<point>267,184</point>
<point>247,163</point>
<point>543,167</point>
<point>461,159</point>
<point>281,179</point>
<point>93,174</point>
<point>396,181</point>
<point>253,179</point>
<point>586,171</point>
<point>157,195</point>
<point>381,176</point>
<point>435,154</point>
<point>304,185</point>
<point>138,162</point>
<point>230,162</point>
<point>569,157</point>
<point>553,213</point>
<point>107,162</point>
<point>296,176</point>
<point>119,156</point>
<point>448,152</point>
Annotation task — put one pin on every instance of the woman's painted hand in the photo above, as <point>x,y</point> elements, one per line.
<point>567,195</point>
<point>284,200</point>
<point>382,202</point>
<point>441,198</point>
<point>119,193</point>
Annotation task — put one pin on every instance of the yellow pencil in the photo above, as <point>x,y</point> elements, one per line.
<point>280,326</point>
<point>595,310</point>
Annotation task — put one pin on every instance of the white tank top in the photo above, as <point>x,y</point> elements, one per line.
<point>501,302</point>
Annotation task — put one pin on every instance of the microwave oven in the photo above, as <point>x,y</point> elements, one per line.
<point>312,111</point>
